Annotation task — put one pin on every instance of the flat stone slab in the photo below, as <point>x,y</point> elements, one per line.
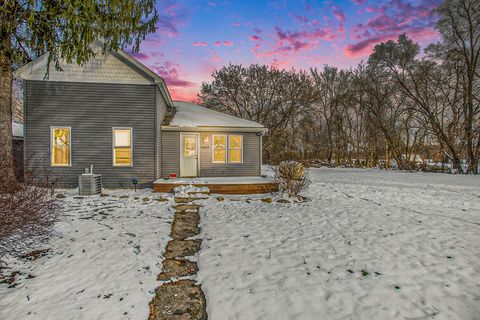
<point>184,228</point>
<point>181,300</point>
<point>182,248</point>
<point>187,199</point>
<point>176,268</point>
<point>187,207</point>
<point>189,217</point>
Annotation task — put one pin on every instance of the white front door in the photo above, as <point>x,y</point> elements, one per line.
<point>189,154</point>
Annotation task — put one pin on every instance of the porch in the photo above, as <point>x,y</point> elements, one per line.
<point>220,185</point>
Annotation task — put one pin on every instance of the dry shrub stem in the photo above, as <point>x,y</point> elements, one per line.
<point>28,212</point>
<point>292,178</point>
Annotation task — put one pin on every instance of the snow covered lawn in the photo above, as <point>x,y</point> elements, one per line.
<point>103,262</point>
<point>369,245</point>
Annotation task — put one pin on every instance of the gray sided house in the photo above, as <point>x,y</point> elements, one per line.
<point>117,115</point>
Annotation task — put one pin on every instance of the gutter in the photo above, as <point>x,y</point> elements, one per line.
<point>214,129</point>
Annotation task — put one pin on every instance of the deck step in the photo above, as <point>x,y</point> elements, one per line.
<point>222,188</point>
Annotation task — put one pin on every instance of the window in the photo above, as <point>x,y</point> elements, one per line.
<point>235,148</point>
<point>122,147</point>
<point>189,146</point>
<point>219,148</point>
<point>61,148</point>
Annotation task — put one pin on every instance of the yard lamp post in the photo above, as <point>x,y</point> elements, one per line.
<point>134,182</point>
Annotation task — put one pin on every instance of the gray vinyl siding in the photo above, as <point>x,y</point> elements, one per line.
<point>91,110</point>
<point>251,165</point>
<point>161,108</point>
<point>170,153</point>
<point>251,157</point>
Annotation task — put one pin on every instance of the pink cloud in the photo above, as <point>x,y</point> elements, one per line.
<point>359,2</point>
<point>226,43</point>
<point>169,72</point>
<point>392,19</point>
<point>254,37</point>
<point>170,17</point>
<point>140,55</point>
<point>200,44</point>
<point>215,58</point>
<point>300,18</point>
<point>338,13</point>
<point>241,23</point>
<point>184,94</point>
<point>363,47</point>
<point>298,40</point>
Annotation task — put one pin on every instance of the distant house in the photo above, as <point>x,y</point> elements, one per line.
<point>117,115</point>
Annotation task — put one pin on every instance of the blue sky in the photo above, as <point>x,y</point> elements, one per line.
<point>196,37</point>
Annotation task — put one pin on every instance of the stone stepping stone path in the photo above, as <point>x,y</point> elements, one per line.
<point>179,297</point>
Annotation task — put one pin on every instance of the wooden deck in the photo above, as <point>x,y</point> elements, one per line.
<point>241,186</point>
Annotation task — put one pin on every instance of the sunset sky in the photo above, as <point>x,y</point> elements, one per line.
<point>195,37</point>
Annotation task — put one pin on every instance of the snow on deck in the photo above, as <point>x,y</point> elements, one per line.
<point>215,180</point>
<point>193,115</point>
<point>104,261</point>
<point>368,245</point>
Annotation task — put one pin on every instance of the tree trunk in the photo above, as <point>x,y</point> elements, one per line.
<point>6,78</point>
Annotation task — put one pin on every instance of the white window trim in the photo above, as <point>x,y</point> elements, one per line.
<point>241,147</point>
<point>226,147</point>
<point>69,146</point>
<point>113,147</point>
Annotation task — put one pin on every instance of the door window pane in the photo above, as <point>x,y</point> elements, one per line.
<point>189,146</point>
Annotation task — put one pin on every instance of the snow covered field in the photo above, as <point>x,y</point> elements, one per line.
<point>368,245</point>
<point>103,263</point>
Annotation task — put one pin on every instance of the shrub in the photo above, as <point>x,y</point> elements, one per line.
<point>28,212</point>
<point>292,178</point>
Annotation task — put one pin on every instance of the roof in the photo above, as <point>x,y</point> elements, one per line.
<point>17,130</point>
<point>190,115</point>
<point>112,67</point>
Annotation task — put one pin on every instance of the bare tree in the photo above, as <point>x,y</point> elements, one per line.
<point>428,87</point>
<point>459,26</point>
<point>275,98</point>
<point>333,86</point>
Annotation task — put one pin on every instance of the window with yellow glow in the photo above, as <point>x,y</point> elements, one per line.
<point>60,137</point>
<point>189,146</point>
<point>235,148</point>
<point>122,147</point>
<point>219,148</point>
